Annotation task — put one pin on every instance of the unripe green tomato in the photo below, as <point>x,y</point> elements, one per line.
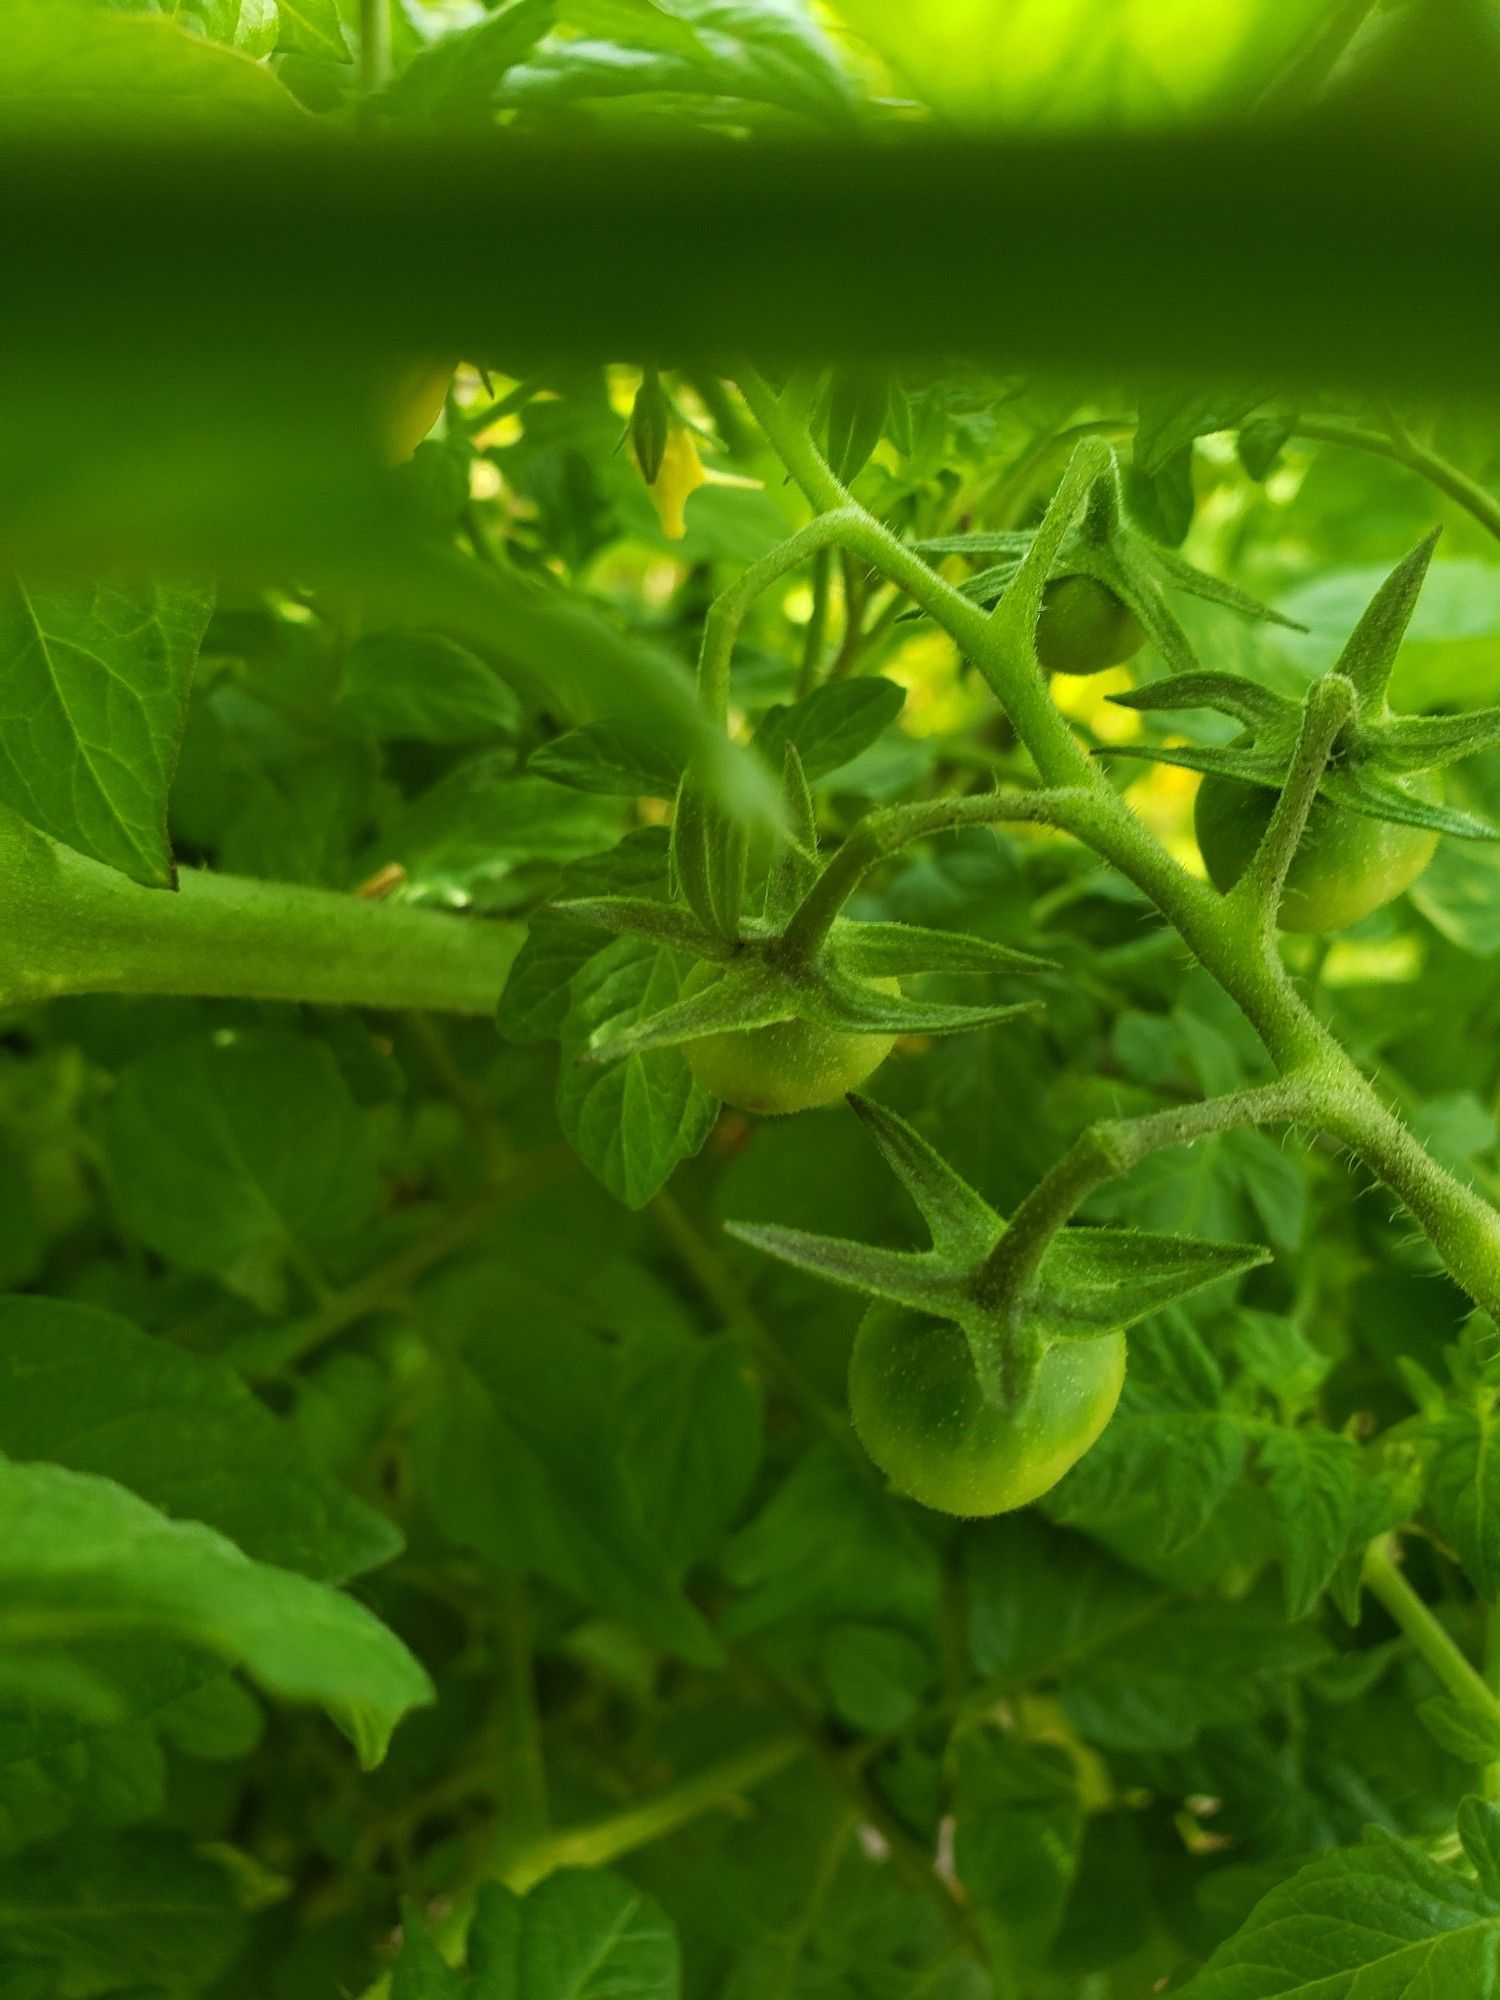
<point>1345,865</point>
<point>915,1399</point>
<point>788,1066</point>
<point>1084,628</point>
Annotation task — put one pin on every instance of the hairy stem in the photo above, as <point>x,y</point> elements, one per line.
<point>1110,1148</point>
<point>1330,703</point>
<point>71,925</point>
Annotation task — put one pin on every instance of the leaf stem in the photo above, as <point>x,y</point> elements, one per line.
<point>1458,1675</point>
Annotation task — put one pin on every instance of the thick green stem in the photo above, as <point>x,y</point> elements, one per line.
<point>70,925</point>
<point>881,834</point>
<point>605,1840</point>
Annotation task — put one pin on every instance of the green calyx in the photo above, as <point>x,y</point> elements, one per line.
<point>651,416</point>
<point>797,963</point>
<point>1104,546</point>
<point>1089,1284</point>
<point>1376,764</point>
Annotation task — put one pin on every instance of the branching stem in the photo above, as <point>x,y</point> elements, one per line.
<point>1242,956</point>
<point>1111,1147</point>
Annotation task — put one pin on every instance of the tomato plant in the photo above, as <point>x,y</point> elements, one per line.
<point>749,919</point>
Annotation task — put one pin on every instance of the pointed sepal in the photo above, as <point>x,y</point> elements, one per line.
<point>1363,791</point>
<point>1370,653</point>
<point>1177,570</point>
<point>754,998</point>
<point>1242,761</point>
<point>1421,742</point>
<point>1257,707</point>
<point>885,951</point>
<point>836,1001</point>
<point>903,1277</point>
<point>639,916</point>
<point>708,860</point>
<point>795,868</point>
<point>1095,1281</point>
<point>963,1226</point>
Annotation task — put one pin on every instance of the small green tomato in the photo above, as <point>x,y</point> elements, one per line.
<point>788,1066</point>
<point>915,1399</point>
<point>1084,628</point>
<point>1345,865</point>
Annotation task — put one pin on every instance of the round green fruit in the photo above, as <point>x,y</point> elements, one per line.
<point>1084,628</point>
<point>915,1399</point>
<point>1345,865</point>
<point>788,1066</point>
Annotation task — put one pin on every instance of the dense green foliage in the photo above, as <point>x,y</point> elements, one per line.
<point>466,825</point>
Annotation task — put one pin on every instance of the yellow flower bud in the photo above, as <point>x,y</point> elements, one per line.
<point>679,474</point>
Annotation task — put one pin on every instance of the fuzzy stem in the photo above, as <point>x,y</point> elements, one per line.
<point>1110,1148</point>
<point>1330,704</point>
<point>728,611</point>
<point>71,925</point>
<point>881,834</point>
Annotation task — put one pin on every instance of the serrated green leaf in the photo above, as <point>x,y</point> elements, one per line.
<point>605,758</point>
<point>152,1908</point>
<point>1462,1469</point>
<point>690,1417</point>
<point>1018,1828</point>
<point>312,28</point>
<point>232,1154</point>
<point>84,1554</point>
<point>831,726</point>
<point>577,1936</point>
<point>1464,1729</point>
<point>454,77</point>
<point>634,1115</point>
<point>93,701</point>
<point>853,419</point>
<point>87,1390</point>
<point>538,989</point>
<point>418,687</point>
<point>1383,1921</point>
<point>1311,1477</point>
<point>525,1466</point>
